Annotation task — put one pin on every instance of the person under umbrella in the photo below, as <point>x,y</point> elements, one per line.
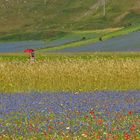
<point>32,55</point>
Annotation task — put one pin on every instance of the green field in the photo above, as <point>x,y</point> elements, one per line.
<point>91,37</point>
<point>21,57</point>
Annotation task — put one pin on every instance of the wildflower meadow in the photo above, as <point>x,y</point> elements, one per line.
<point>79,116</point>
<point>72,97</point>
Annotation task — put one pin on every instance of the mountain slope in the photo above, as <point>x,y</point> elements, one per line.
<point>41,19</point>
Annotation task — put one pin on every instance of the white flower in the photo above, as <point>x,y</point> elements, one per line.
<point>84,135</point>
<point>105,133</point>
<point>76,93</point>
<point>67,128</point>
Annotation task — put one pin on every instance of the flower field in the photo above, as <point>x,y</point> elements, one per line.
<point>70,97</point>
<point>105,115</point>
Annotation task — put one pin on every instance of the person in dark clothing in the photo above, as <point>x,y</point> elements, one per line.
<point>32,54</point>
<point>100,39</point>
<point>32,58</point>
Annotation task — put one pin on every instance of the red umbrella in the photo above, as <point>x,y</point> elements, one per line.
<point>29,50</point>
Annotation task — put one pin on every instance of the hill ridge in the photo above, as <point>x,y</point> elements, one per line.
<point>26,16</point>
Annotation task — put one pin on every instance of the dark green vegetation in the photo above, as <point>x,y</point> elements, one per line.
<point>51,19</point>
<point>7,57</point>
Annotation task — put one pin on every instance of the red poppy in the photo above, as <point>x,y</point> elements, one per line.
<point>127,136</point>
<point>130,112</point>
<point>109,134</point>
<point>100,121</point>
<point>91,112</point>
<point>132,127</point>
<point>86,117</point>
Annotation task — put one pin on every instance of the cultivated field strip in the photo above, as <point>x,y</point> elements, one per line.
<point>70,75</point>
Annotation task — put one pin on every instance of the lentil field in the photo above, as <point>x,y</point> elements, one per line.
<point>90,96</point>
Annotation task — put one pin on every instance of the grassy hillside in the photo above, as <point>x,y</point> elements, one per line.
<point>42,19</point>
